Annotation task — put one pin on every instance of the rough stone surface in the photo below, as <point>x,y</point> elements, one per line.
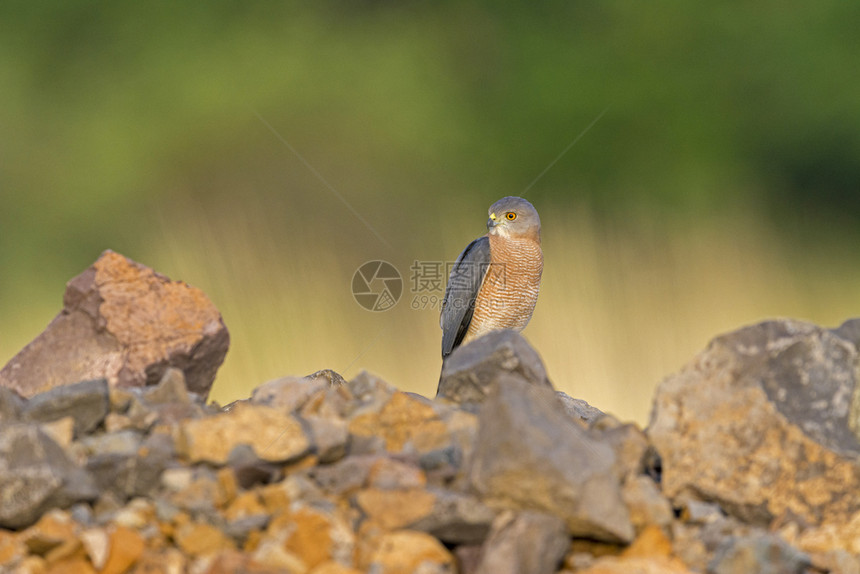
<point>580,409</point>
<point>529,454</point>
<point>524,542</point>
<point>36,475</point>
<point>123,322</point>
<point>762,422</point>
<point>87,403</point>
<point>272,435</point>
<point>316,475</point>
<point>471,371</point>
<point>762,554</point>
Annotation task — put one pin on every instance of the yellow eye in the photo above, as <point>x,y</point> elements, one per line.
<point>510,216</point>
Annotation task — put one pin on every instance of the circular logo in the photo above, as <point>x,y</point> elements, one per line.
<point>377,286</point>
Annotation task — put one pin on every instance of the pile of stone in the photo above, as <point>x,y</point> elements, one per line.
<point>749,464</point>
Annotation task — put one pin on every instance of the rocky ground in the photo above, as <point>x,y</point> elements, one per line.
<point>112,461</point>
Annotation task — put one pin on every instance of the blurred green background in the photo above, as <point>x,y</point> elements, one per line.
<point>720,187</point>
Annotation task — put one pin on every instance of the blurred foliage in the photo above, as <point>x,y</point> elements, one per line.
<point>128,125</point>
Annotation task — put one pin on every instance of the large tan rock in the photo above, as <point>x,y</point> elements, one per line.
<point>764,423</point>
<point>123,322</point>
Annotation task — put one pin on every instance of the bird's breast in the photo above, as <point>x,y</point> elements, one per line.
<point>509,292</point>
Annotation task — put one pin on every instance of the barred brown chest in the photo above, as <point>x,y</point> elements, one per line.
<point>510,288</point>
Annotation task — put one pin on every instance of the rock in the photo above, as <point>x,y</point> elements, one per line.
<point>329,437</point>
<point>289,393</point>
<point>763,423</point>
<point>274,436</point>
<point>529,455</point>
<point>403,423</point>
<point>346,475</point>
<point>765,554</point>
<point>96,542</point>
<point>133,469</point>
<point>471,371</point>
<point>53,529</point>
<point>524,542</point>
<point>36,475</point>
<point>61,431</point>
<point>11,405</point>
<point>646,503</point>
<point>123,322</point>
<point>650,553</point>
<point>395,509</point>
<point>369,390</point>
<point>233,562</point>
<point>579,409</point>
<point>199,539</point>
<point>313,535</point>
<point>86,402</point>
<point>125,547</point>
<point>410,552</point>
<point>456,518</point>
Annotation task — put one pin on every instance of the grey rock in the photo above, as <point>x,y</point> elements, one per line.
<point>524,542</point>
<point>344,476</point>
<point>759,554</point>
<point>87,402</point>
<point>329,437</point>
<point>457,518</point>
<point>120,467</point>
<point>170,390</point>
<point>11,405</point>
<point>36,475</point>
<point>472,370</point>
<point>124,443</point>
<point>370,390</point>
<point>288,393</point>
<point>763,423</point>
<point>579,409</point>
<point>529,455</point>
<point>646,503</point>
<point>250,470</point>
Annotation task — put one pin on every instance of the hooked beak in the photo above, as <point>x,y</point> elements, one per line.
<point>493,221</point>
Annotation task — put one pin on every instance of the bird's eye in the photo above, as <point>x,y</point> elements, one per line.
<point>510,216</point>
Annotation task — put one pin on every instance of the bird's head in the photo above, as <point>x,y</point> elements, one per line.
<point>514,217</point>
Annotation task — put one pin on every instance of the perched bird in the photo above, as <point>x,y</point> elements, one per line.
<point>495,281</point>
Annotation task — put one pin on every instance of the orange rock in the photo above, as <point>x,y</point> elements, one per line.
<point>275,497</point>
<point>637,565</point>
<point>311,539</point>
<point>228,487</point>
<point>76,565</point>
<point>11,547</point>
<point>332,567</point>
<point>126,547</point>
<point>232,562</point>
<point>390,473</point>
<point>273,435</point>
<point>244,505</point>
<point>123,322</point>
<point>652,541</point>
<point>198,539</point>
<point>404,419</point>
<point>394,509</point>
<point>403,551</point>
<point>53,529</point>
<point>161,562</point>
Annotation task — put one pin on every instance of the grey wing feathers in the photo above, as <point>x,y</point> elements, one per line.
<point>461,292</point>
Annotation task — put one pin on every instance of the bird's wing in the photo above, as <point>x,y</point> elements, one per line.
<point>461,292</point>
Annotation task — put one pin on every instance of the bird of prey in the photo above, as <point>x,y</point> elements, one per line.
<point>495,281</point>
